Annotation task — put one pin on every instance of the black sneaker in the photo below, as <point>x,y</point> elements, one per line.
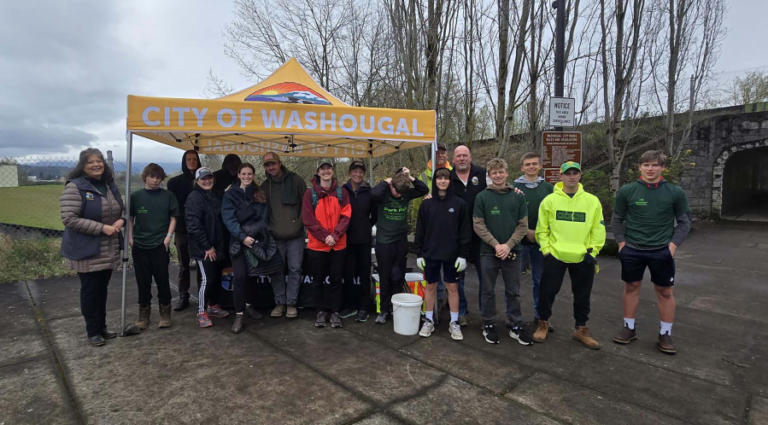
<point>347,313</point>
<point>362,316</point>
<point>520,334</point>
<point>490,334</point>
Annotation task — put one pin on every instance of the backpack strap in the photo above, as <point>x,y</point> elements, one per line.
<point>339,196</point>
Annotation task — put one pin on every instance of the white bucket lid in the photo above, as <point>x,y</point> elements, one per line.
<point>406,299</point>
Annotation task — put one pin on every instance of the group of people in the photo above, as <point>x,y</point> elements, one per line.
<point>469,215</point>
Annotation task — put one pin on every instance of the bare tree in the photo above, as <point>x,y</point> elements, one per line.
<point>750,88</point>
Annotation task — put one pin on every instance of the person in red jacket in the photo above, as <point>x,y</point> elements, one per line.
<point>325,212</point>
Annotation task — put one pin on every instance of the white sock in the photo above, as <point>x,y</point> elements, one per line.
<point>630,323</point>
<point>429,315</point>
<point>666,328</point>
<point>454,316</point>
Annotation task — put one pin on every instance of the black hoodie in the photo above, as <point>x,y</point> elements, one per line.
<point>443,229</point>
<point>363,214</point>
<point>181,186</point>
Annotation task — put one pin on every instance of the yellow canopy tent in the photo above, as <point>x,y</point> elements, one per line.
<point>287,113</point>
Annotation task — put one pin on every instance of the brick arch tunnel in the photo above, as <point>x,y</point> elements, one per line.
<point>745,184</point>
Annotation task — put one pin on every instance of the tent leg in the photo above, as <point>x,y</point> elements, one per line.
<point>434,150</point>
<point>127,199</point>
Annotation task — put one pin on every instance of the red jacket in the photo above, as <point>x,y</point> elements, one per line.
<point>329,217</point>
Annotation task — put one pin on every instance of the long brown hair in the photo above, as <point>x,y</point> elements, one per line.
<point>79,170</point>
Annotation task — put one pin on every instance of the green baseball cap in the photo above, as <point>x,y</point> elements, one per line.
<point>568,165</point>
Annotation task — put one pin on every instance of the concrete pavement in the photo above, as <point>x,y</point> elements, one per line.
<point>286,371</point>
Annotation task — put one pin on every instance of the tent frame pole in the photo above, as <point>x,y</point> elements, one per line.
<point>127,202</point>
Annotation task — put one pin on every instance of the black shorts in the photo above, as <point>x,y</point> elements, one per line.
<point>432,271</point>
<point>659,262</point>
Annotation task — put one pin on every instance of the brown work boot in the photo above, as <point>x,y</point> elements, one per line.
<point>291,312</point>
<point>582,335</point>
<point>625,335</point>
<point>665,344</point>
<point>277,311</point>
<point>237,325</point>
<point>542,328</point>
<point>144,312</point>
<point>165,316</point>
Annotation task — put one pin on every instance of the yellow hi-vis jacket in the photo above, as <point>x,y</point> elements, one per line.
<point>568,226</point>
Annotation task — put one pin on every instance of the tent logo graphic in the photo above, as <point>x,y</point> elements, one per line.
<point>288,92</point>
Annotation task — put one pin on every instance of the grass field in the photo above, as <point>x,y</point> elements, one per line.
<point>36,206</point>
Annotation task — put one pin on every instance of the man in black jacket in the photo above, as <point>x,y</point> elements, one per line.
<point>467,180</point>
<point>442,243</point>
<point>181,186</point>
<point>357,277</point>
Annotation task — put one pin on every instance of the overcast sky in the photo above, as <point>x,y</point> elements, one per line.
<point>67,67</point>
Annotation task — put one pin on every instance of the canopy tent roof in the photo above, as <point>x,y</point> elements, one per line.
<point>288,112</point>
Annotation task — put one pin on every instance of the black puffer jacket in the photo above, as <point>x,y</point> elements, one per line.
<point>204,226</point>
<point>181,186</point>
<point>363,214</point>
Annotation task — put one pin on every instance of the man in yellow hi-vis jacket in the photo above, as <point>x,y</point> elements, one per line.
<point>571,232</point>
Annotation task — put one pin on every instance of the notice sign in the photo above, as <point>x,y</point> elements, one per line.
<point>562,111</point>
<point>559,147</point>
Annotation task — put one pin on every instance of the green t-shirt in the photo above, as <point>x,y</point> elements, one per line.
<point>501,212</point>
<point>533,198</point>
<point>392,220</point>
<point>152,211</point>
<point>650,212</point>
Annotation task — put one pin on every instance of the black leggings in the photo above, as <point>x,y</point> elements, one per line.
<point>327,273</point>
<point>93,300</point>
<point>242,282</point>
<point>210,287</point>
<point>391,258</point>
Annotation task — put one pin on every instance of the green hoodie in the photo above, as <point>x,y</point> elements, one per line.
<point>568,226</point>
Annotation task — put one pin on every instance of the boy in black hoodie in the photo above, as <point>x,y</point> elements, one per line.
<point>181,186</point>
<point>442,242</point>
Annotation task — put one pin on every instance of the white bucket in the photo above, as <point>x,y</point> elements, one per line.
<point>406,311</point>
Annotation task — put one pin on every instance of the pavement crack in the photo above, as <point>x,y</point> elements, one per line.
<point>61,375</point>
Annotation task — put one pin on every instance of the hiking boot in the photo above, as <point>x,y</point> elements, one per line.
<point>183,303</point>
<point>540,334</point>
<point>106,334</point>
<point>278,311</point>
<point>253,313</point>
<point>665,344</point>
<point>96,340</point>
<point>582,335</point>
<point>203,320</point>
<point>455,330</point>
<point>291,312</point>
<point>336,322</point>
<point>237,325</point>
<point>427,328</point>
<point>165,316</point>
<point>381,319</point>
<point>347,313</point>
<point>362,316</point>
<point>217,312</point>
<point>144,311</point>
<point>463,320</point>
<point>322,317</point>
<point>520,334</point>
<point>490,334</point>
<point>625,335</point>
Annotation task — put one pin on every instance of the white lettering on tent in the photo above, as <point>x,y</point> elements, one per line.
<point>402,127</point>
<point>167,116</point>
<point>272,119</point>
<point>145,116</point>
<point>199,115</point>
<point>348,117</point>
<point>245,116</point>
<point>415,131</point>
<point>320,149</point>
<point>324,122</point>
<point>368,130</point>
<point>232,117</point>
<point>294,120</point>
<point>386,129</point>
<point>181,111</point>
<point>310,118</point>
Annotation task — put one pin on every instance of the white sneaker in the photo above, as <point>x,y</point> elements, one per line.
<point>455,329</point>
<point>427,328</point>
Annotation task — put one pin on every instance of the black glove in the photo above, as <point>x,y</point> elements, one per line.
<point>589,259</point>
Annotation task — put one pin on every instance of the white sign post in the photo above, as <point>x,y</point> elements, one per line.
<point>562,111</point>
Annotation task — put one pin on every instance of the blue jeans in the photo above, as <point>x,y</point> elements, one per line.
<point>536,259</point>
<point>292,252</point>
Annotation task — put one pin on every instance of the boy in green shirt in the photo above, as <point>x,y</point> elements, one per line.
<point>500,220</point>
<point>651,218</point>
<point>153,212</point>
